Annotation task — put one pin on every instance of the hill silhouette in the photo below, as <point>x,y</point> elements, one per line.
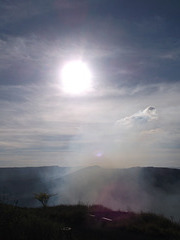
<point>139,189</point>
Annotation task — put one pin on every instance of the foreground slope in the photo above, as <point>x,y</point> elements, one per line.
<point>82,222</point>
<point>140,189</point>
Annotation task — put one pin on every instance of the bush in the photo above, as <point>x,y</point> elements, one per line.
<point>48,223</point>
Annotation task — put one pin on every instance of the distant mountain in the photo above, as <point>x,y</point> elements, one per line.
<point>138,189</point>
<point>21,183</point>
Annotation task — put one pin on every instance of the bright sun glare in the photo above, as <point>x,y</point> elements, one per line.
<point>76,78</point>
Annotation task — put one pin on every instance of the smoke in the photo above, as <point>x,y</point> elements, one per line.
<point>134,189</point>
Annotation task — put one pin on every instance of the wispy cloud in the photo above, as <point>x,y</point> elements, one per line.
<point>11,11</point>
<point>139,118</point>
<point>43,121</point>
<point>134,63</point>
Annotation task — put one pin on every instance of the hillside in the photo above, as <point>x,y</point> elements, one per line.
<point>139,189</point>
<point>81,222</point>
<point>20,184</point>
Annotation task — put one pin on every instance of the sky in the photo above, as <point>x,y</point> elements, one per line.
<point>131,115</point>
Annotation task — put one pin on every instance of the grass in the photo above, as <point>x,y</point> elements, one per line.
<point>85,222</point>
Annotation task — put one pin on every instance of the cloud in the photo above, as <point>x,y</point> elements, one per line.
<point>150,113</point>
<point>46,127</point>
<point>14,11</point>
<point>63,4</point>
<point>140,118</point>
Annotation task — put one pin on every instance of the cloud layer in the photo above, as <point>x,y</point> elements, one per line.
<point>132,115</point>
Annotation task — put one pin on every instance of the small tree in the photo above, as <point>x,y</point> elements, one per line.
<point>43,198</point>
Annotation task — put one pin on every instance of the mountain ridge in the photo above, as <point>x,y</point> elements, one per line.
<point>138,188</point>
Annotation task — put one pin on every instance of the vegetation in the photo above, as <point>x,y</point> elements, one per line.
<point>43,198</point>
<point>81,222</point>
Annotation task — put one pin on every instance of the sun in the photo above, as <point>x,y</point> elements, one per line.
<point>76,77</point>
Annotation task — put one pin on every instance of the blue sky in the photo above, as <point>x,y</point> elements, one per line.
<point>132,115</point>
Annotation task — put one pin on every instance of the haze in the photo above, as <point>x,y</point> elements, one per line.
<point>130,117</point>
